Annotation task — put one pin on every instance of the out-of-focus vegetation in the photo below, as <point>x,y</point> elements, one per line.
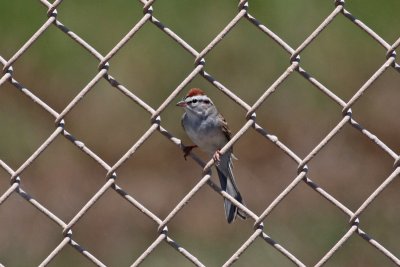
<point>151,65</point>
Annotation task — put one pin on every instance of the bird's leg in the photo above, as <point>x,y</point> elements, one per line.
<point>187,150</point>
<point>217,157</point>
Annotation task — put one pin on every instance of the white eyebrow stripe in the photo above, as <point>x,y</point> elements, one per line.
<point>198,98</point>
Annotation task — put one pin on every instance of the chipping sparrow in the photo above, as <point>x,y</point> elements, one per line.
<point>208,130</point>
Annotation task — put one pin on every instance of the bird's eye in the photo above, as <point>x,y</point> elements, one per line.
<point>194,101</point>
<point>206,101</point>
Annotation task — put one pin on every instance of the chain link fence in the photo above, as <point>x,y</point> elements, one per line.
<point>155,113</point>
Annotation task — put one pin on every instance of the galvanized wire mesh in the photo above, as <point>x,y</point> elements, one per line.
<point>154,114</point>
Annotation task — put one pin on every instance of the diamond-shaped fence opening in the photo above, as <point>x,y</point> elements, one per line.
<point>298,213</point>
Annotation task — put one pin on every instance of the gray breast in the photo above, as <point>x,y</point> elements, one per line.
<point>205,133</point>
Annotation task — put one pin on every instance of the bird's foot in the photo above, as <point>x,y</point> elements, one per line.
<point>187,150</point>
<point>217,157</point>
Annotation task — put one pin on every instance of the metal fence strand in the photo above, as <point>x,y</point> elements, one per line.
<point>368,201</point>
<point>150,249</point>
<point>136,203</point>
<point>34,37</point>
<point>177,90</point>
<point>275,140</point>
<point>87,254</point>
<point>330,253</point>
<point>270,33</point>
<point>40,207</point>
<point>321,87</point>
<point>326,139</point>
<point>6,76</point>
<point>300,169</point>
<point>129,94</point>
<point>273,87</point>
<point>71,34</point>
<point>366,29</point>
<point>38,151</point>
<point>327,196</point>
<point>373,138</point>
<point>53,7</point>
<point>3,61</point>
<point>124,40</point>
<point>279,198</point>
<point>33,97</point>
<point>81,146</point>
<point>184,252</point>
<point>245,245</point>
<point>46,3</point>
<point>317,31</point>
<point>381,248</point>
<point>238,135</point>
<point>81,94</point>
<point>56,250</point>
<point>174,36</point>
<point>184,200</point>
<point>368,83</point>
<point>225,90</point>
<point>282,250</point>
<point>242,207</point>
<point>397,67</point>
<point>89,204</point>
<point>220,36</point>
<point>8,192</point>
<point>14,184</point>
<point>393,47</point>
<point>78,39</point>
<point>133,149</point>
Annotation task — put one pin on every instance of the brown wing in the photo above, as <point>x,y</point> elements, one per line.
<point>225,128</point>
<point>226,132</point>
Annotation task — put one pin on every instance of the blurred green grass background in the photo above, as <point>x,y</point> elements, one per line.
<point>151,65</point>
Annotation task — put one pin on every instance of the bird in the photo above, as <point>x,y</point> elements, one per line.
<point>209,131</point>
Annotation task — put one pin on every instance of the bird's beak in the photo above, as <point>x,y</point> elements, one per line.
<point>181,104</point>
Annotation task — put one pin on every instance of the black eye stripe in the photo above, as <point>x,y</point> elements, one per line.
<point>205,101</point>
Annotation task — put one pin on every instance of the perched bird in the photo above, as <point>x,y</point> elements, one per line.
<point>209,131</point>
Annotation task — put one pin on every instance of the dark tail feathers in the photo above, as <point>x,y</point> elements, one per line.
<point>228,184</point>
